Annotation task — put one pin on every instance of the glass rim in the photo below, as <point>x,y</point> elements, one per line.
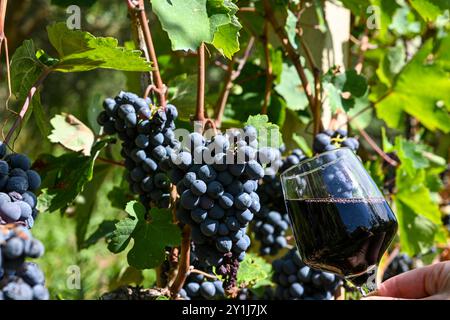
<point>287,172</point>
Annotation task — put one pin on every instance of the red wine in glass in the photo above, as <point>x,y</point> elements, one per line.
<point>341,222</point>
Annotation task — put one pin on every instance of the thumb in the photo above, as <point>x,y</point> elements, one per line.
<point>419,283</point>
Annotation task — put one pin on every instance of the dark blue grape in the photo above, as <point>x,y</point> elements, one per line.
<point>244,216</point>
<point>199,215</point>
<point>215,189</point>
<point>34,180</point>
<point>192,289</point>
<point>198,187</point>
<point>10,212</point>
<point>40,293</point>
<point>17,291</point>
<point>18,160</point>
<point>226,200</point>
<point>2,149</point>
<point>4,167</point>
<point>216,212</point>
<point>209,227</point>
<point>31,274</point>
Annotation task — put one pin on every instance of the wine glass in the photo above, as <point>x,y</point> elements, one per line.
<point>341,221</point>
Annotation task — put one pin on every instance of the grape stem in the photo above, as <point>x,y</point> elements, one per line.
<point>295,58</point>
<point>184,262</point>
<point>212,124</point>
<point>231,76</point>
<point>113,162</point>
<point>207,275</point>
<point>269,70</point>
<point>36,85</point>
<point>139,11</point>
<point>174,196</point>
<point>376,148</point>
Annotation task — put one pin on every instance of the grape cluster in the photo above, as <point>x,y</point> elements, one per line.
<point>200,287</point>
<point>148,138</point>
<point>217,180</point>
<point>270,229</point>
<point>400,264</point>
<point>272,222</point>
<point>296,281</point>
<point>17,184</point>
<point>329,140</point>
<point>19,279</point>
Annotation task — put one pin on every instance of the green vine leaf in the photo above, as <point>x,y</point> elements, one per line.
<point>226,39</point>
<point>350,81</point>
<point>429,10</point>
<point>104,230</point>
<point>182,93</point>
<point>419,221</point>
<point>81,51</point>
<point>64,177</point>
<point>150,238</point>
<point>121,236</point>
<point>268,133</point>
<point>417,233</point>
<point>91,196</point>
<point>253,270</point>
<point>392,63</point>
<point>430,107</point>
<point>358,7</point>
<point>291,89</point>
<point>346,91</point>
<point>209,21</point>
<point>25,70</point>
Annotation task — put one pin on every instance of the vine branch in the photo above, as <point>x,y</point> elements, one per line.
<point>376,148</point>
<point>295,58</point>
<point>221,103</point>
<point>269,70</point>
<point>317,101</point>
<point>200,111</point>
<point>113,162</point>
<point>230,76</point>
<point>139,11</point>
<point>36,85</point>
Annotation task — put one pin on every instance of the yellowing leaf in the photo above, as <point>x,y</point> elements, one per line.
<point>72,134</point>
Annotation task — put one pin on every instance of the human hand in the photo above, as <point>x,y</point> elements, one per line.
<point>428,283</point>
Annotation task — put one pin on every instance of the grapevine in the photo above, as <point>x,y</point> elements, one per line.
<point>147,139</point>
